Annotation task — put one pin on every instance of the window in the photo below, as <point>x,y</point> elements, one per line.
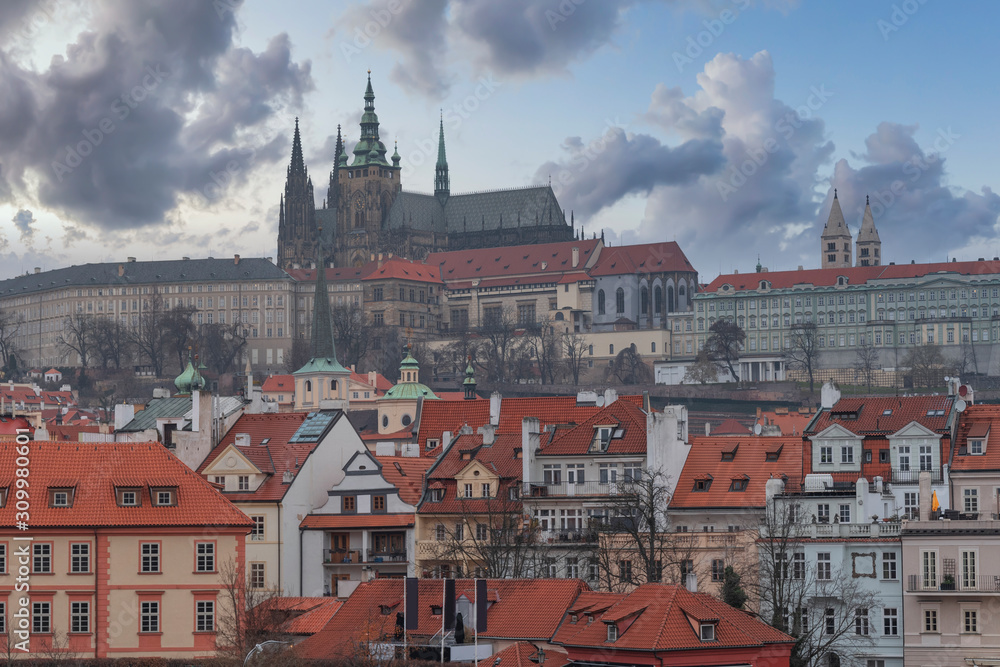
<point>718,569</point>
<point>129,499</point>
<point>3,617</point>
<point>889,565</point>
<point>482,533</point>
<point>244,483</point>
<point>970,621</point>
<point>845,513</point>
<point>826,454</point>
<point>625,570</point>
<point>79,558</point>
<point>861,621</point>
<point>738,484</point>
<point>378,503</point>
<point>468,491</point>
<point>632,472</point>
<point>707,632</point>
<point>975,446</point>
<point>79,617</point>
<point>968,559</point>
<point>823,567</point>
<point>149,617</point>
<point>350,504</point>
<point>970,500</point>
<point>257,571</point>
<point>459,531</point>
<point>3,562</point>
<point>257,532</point>
<point>205,552</point>
<point>164,497</point>
<point>620,301</point>
<point>600,302</point>
<point>439,533</point>
<point>551,474</point>
<point>930,620</point>
<point>485,490</point>
<point>928,566</point>
<point>42,558</point>
<point>847,454</point>
<point>149,557</point>
<point>829,622</point>
<point>911,505</point>
<point>204,616</point>
<point>823,513</point>
<point>41,617</point>
<point>890,621</point>
<point>60,499</point>
<point>612,632</point>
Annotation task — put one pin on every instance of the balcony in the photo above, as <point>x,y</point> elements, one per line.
<point>560,537</point>
<point>984,583</point>
<point>355,557</point>
<point>387,556</point>
<point>912,476</point>
<point>571,490</point>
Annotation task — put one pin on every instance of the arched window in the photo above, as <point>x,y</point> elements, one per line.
<point>333,385</point>
<point>600,302</point>
<point>611,348</point>
<point>644,301</point>
<point>591,350</point>
<point>657,300</point>
<point>620,301</point>
<point>559,317</point>
<point>309,385</point>
<point>670,299</point>
<point>680,290</point>
<point>652,346</point>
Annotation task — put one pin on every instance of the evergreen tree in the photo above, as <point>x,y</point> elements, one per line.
<point>732,592</point>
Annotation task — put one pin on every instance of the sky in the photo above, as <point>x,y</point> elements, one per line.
<point>162,128</point>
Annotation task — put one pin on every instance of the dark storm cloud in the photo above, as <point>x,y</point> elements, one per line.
<point>148,102</point>
<point>23,220</point>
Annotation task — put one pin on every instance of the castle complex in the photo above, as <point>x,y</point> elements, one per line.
<point>366,212</point>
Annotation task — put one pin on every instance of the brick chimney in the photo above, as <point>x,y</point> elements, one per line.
<point>236,259</point>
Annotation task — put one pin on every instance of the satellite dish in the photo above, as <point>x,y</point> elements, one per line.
<point>963,390</point>
<point>757,429</point>
<point>960,405</point>
<point>947,378</point>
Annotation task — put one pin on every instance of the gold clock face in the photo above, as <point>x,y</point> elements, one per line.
<point>359,202</point>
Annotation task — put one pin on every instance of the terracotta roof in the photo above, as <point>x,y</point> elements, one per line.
<point>274,458</point>
<point>513,261</point>
<point>406,473</point>
<point>527,609</point>
<point>522,654</point>
<point>624,415</point>
<point>705,462</point>
<point>730,427</point>
<point>298,615</point>
<point>436,417</point>
<point>53,371</point>
<point>279,383</point>
<point>644,258</point>
<point>498,458</point>
<point>659,617</point>
<point>381,382</point>
<point>357,521</point>
<point>790,423</point>
<point>70,432</point>
<point>885,414</point>
<point>90,468</point>
<point>10,425</point>
<point>312,621</point>
<point>549,410</point>
<point>976,422</point>
<point>404,269</point>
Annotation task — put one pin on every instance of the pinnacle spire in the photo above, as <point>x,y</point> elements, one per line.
<point>297,165</point>
<point>442,182</point>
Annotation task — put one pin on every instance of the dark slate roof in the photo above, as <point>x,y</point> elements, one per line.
<point>470,212</point>
<point>174,407</point>
<point>142,273</point>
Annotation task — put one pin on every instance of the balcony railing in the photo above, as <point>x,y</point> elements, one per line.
<point>355,557</point>
<point>912,475</point>
<point>847,530</point>
<point>569,489</point>
<point>386,556</point>
<point>983,583</point>
<point>569,536</point>
<point>340,557</point>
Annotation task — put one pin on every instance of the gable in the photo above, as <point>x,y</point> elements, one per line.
<point>835,431</point>
<point>476,470</point>
<point>363,463</point>
<point>231,462</point>
<point>915,430</point>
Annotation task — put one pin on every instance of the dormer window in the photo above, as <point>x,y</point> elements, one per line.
<point>437,495</point>
<point>703,483</point>
<point>612,632</point>
<point>432,443</point>
<point>729,455</point>
<point>707,631</point>
<point>61,497</point>
<point>164,497</point>
<point>128,497</point>
<point>977,446</point>
<point>602,438</point>
<point>3,496</point>
<point>739,483</point>
<point>435,610</point>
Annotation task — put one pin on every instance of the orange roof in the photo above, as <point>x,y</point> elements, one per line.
<point>273,458</point>
<point>404,269</point>
<point>705,467</point>
<point>521,654</point>
<point>70,432</point>
<point>381,382</point>
<point>52,371</point>
<point>498,457</point>
<point>624,415</point>
<point>312,621</point>
<point>406,473</point>
<point>528,609</point>
<point>791,422</point>
<point>436,417</point>
<point>660,617</point>
<point>644,258</point>
<point>549,410</point>
<point>93,468</point>
<point>869,415</point>
<point>978,421</point>
<point>730,427</point>
<point>279,383</point>
<point>357,521</point>
<point>546,260</point>
<point>297,615</point>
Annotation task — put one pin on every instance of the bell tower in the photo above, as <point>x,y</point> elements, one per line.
<point>836,242</point>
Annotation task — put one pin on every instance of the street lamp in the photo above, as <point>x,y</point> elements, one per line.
<point>260,647</point>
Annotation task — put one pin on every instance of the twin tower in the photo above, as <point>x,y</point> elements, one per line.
<point>836,240</point>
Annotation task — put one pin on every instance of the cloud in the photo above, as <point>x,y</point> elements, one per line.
<point>23,220</point>
<point>149,102</point>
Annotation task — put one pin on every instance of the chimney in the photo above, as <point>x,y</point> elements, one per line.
<point>924,493</point>
<point>38,269</point>
<point>530,441</point>
<point>372,375</point>
<point>610,396</point>
<point>131,259</point>
<point>236,259</point>
<point>495,408</point>
<point>576,257</point>
<point>488,432</point>
<point>691,582</point>
<point>708,428</point>
<point>445,439</point>
<point>829,394</point>
<point>186,258</point>
<point>121,270</point>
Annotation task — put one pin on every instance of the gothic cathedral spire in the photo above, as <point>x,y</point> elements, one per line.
<point>296,222</point>
<point>836,239</point>
<point>442,184</point>
<point>869,245</point>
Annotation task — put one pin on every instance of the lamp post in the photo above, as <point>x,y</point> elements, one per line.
<point>260,647</point>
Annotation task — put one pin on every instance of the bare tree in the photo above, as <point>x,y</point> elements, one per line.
<point>493,538</point>
<point>866,361</point>
<point>827,612</point>
<point>112,342</point>
<point>926,364</point>
<point>803,349</point>
<point>575,348</point>
<point>298,356</point>
<point>502,345</point>
<point>10,322</point>
<point>222,346</point>
<point>78,336</point>
<point>966,362</point>
<point>702,371</point>
<point>545,348</point>
<point>352,332</point>
<point>629,368</point>
<point>181,331</point>
<point>247,614</point>
<point>724,343</point>
<point>149,334</point>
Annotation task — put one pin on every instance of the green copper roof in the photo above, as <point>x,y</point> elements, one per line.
<point>409,390</point>
<point>189,379</point>
<point>322,365</point>
<point>470,375</point>
<point>369,150</point>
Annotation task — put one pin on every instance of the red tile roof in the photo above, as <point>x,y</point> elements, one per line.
<point>70,432</point>
<point>660,617</point>
<point>498,458</point>
<point>730,427</point>
<point>436,417</point>
<point>885,414</point>
<point>644,258</point>
<point>92,469</point>
<point>522,654</point>
<point>279,383</point>
<point>705,462</point>
<point>528,609</point>
<point>404,269</point>
<point>297,615</point>
<point>978,421</point>
<point>549,410</point>
<point>790,423</point>
<point>406,473</point>
<point>513,261</point>
<point>357,521</point>
<point>622,414</point>
<point>312,621</point>
<point>274,458</point>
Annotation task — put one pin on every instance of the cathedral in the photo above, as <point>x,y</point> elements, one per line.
<point>367,212</point>
<point>837,250</point>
